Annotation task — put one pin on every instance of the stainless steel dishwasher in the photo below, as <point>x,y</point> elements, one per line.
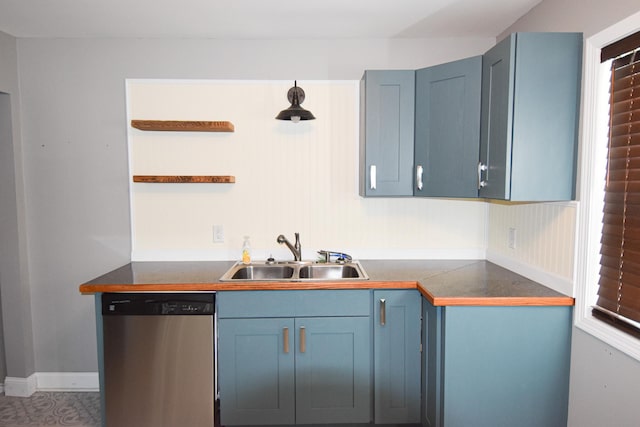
<point>159,365</point>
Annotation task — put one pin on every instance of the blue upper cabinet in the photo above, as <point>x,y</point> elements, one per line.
<point>530,110</point>
<point>447,129</point>
<point>386,133</point>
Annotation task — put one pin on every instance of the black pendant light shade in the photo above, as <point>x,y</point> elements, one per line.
<point>295,113</point>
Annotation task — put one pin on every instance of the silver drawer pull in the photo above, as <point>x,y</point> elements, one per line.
<point>383,311</point>
<point>373,176</point>
<point>285,339</point>
<point>419,173</point>
<point>303,339</point>
<point>481,168</point>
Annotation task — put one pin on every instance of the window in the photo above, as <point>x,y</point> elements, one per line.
<point>593,173</point>
<point>618,300</point>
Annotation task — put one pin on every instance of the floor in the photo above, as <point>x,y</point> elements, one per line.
<point>51,409</point>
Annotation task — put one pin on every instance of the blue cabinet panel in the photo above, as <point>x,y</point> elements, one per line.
<point>256,373</point>
<point>498,70</point>
<point>293,303</point>
<point>386,132</point>
<point>447,129</point>
<point>432,361</point>
<point>397,356</point>
<point>530,108</point>
<point>333,372</point>
<point>497,366</point>
<point>519,372</point>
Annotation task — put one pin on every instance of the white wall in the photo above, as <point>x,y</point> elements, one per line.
<point>76,175</point>
<point>604,381</point>
<point>289,178</point>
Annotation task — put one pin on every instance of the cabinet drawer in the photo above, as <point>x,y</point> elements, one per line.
<point>293,303</point>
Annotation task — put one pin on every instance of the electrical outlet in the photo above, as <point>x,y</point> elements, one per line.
<point>218,233</point>
<point>512,238</point>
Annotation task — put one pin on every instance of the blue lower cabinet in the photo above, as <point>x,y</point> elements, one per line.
<point>333,370</point>
<point>396,356</point>
<point>256,371</point>
<point>496,366</point>
<point>294,370</point>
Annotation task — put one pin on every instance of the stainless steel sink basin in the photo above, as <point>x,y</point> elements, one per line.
<point>262,272</point>
<point>298,271</point>
<point>329,271</point>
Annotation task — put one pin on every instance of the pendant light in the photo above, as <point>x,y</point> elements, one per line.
<point>295,112</point>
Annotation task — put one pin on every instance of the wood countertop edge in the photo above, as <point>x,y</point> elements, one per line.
<point>242,286</point>
<point>253,286</point>
<point>532,301</point>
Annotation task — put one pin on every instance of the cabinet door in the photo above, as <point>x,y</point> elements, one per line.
<point>397,356</point>
<point>497,115</point>
<point>256,371</point>
<point>432,367</point>
<point>386,133</point>
<point>447,129</point>
<point>333,370</point>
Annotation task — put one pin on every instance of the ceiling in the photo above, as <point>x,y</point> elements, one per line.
<point>260,19</point>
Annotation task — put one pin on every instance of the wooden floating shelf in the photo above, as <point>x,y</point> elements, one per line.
<point>199,179</point>
<point>182,126</point>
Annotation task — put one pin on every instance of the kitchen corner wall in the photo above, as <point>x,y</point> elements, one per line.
<point>289,178</point>
<point>17,360</point>
<point>534,239</point>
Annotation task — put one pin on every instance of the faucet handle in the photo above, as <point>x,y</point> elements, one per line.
<point>326,255</point>
<point>341,257</point>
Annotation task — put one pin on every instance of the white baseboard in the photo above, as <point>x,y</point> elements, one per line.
<point>557,283</point>
<point>20,387</point>
<point>68,381</point>
<point>51,381</point>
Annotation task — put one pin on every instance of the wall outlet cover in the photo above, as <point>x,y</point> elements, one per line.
<point>218,234</point>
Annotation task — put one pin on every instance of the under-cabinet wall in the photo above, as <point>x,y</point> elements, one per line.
<point>543,240</point>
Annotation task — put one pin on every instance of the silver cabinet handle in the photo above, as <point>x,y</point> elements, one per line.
<point>285,339</point>
<point>373,177</point>
<point>481,168</point>
<point>419,173</point>
<point>383,311</point>
<point>303,339</point>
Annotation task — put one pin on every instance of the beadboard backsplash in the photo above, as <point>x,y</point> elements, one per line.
<point>288,178</point>
<point>542,240</point>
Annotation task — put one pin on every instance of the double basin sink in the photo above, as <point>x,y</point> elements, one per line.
<point>294,271</point>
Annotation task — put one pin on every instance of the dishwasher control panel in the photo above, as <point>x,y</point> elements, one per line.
<point>151,304</point>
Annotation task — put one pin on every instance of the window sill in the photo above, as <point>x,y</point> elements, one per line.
<point>609,335</point>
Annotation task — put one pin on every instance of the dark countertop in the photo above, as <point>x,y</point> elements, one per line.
<point>442,282</point>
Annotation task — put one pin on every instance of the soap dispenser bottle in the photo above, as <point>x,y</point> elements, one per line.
<point>246,251</point>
